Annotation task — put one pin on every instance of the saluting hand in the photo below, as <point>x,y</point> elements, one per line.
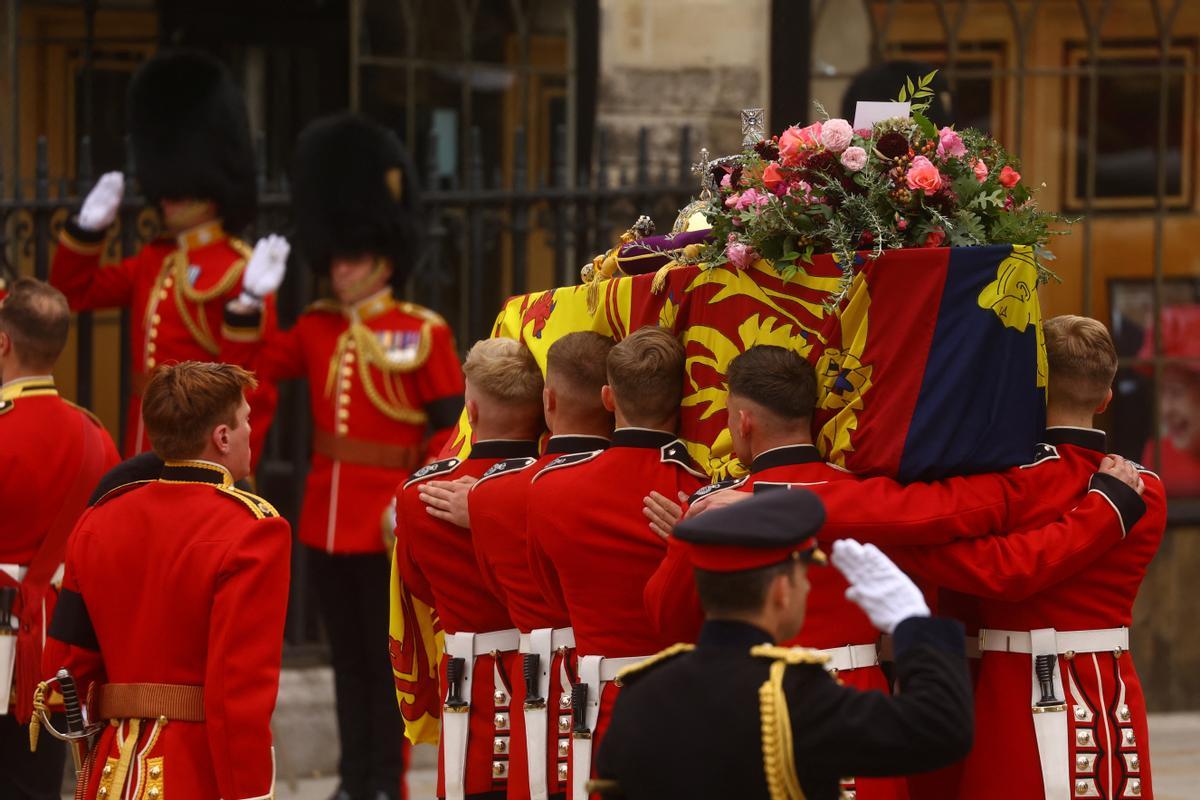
<point>877,585</point>
<point>265,270</point>
<point>101,205</point>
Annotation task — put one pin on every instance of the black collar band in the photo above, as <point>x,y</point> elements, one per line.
<point>572,443</point>
<point>504,448</point>
<point>732,633</point>
<point>1088,438</point>
<point>786,456</point>
<point>195,472</point>
<point>642,437</point>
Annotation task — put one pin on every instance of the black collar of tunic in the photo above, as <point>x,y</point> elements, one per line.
<point>732,634</point>
<point>1089,438</point>
<point>642,437</point>
<point>504,448</point>
<point>786,456</point>
<point>195,472</point>
<point>567,444</point>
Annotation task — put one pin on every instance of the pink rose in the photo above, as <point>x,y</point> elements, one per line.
<point>732,200</point>
<point>854,158</point>
<point>981,171</point>
<point>810,136</point>
<point>726,182</point>
<point>749,198</point>
<point>923,175</point>
<point>950,144</point>
<point>773,178</point>
<point>934,238</point>
<point>1009,177</point>
<point>742,256</point>
<point>863,133</point>
<point>836,135</point>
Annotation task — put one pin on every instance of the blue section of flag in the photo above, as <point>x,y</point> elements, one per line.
<point>972,347</point>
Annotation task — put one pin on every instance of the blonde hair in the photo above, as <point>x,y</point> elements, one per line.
<point>645,371</point>
<point>504,370</point>
<point>1082,361</point>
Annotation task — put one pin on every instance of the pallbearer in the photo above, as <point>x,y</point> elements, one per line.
<point>385,390</point>
<point>438,564</point>
<point>195,163</point>
<point>51,455</point>
<point>173,603</point>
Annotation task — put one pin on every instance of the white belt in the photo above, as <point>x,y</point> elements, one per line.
<point>544,642</point>
<point>456,725</point>
<point>559,638</point>
<point>851,656</point>
<point>18,571</point>
<point>595,671</point>
<point>1095,641</point>
<point>493,641</point>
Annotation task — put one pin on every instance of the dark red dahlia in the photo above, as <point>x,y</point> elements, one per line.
<point>892,145</point>
<point>767,149</point>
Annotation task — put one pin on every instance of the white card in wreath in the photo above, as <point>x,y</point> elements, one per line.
<point>868,112</point>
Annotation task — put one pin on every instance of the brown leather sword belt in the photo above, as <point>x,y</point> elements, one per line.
<point>369,454</point>
<point>150,701</point>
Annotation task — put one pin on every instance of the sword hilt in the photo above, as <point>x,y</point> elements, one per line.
<point>1043,666</point>
<point>454,676</point>
<point>531,668</point>
<point>71,704</point>
<point>579,701</point>
<point>8,597</point>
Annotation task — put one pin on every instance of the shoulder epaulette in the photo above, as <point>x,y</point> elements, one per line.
<point>86,412</point>
<point>635,671</point>
<point>117,491</point>
<point>325,305</point>
<point>790,655</point>
<point>676,453</point>
<point>568,460</point>
<point>1041,454</point>
<point>719,486</point>
<point>260,507</point>
<point>421,312</point>
<point>506,466</point>
<point>242,248</point>
<point>433,469</point>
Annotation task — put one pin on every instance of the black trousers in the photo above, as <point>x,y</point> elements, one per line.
<point>25,775</point>
<point>352,593</point>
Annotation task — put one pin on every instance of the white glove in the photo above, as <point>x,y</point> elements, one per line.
<point>264,273</point>
<point>877,585</point>
<point>102,203</point>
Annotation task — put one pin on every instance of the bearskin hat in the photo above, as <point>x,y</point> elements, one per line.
<point>191,134</point>
<point>355,193</point>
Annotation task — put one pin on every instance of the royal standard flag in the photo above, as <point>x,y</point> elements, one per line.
<point>931,365</point>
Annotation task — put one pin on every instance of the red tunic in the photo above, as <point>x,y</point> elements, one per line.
<point>499,506</point>
<point>180,581</point>
<point>380,376</point>
<point>176,290</point>
<point>42,441</point>
<point>436,560</point>
<point>590,545</point>
<point>1031,588</point>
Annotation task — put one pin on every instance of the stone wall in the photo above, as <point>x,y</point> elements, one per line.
<point>1166,619</point>
<point>669,63</point>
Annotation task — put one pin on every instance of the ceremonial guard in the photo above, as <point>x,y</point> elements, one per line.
<point>437,562</point>
<point>385,390</point>
<point>737,716</point>
<point>498,505</point>
<point>587,539</point>
<point>195,163</point>
<point>51,454</point>
<point>167,639</point>
<point>1057,690</point>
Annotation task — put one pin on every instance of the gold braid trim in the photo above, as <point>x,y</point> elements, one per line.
<point>258,506</point>
<point>779,760</point>
<point>39,708</point>
<point>184,293</point>
<point>790,655</point>
<point>658,658</point>
<point>372,354</point>
<point>125,749</point>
